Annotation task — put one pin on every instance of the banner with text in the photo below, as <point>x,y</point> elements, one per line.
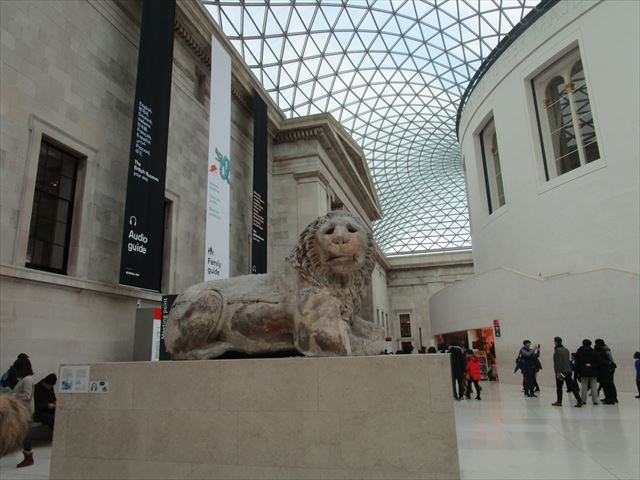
<point>259,223</point>
<point>167,303</point>
<point>216,253</point>
<point>142,237</point>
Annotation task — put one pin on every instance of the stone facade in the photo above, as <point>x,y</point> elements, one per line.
<point>412,281</point>
<point>68,74</point>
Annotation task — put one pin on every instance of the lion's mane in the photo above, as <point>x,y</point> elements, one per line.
<point>14,423</point>
<point>305,258</point>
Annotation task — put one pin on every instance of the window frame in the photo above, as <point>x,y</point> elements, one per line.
<point>41,192</point>
<point>79,245</point>
<point>493,181</point>
<point>562,67</point>
<point>400,315</point>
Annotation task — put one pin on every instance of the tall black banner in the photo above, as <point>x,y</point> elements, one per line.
<point>259,227</point>
<point>142,237</point>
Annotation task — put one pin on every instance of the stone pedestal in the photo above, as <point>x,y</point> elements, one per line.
<point>292,418</point>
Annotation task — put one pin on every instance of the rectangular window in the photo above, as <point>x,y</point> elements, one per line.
<point>167,240</point>
<point>50,230</point>
<point>491,166</point>
<point>565,120</point>
<point>405,325</point>
<point>200,85</point>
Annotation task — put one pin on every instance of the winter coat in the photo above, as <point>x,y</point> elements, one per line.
<point>587,362</point>
<point>43,397</point>
<point>24,391</point>
<point>529,359</point>
<point>605,367</point>
<point>561,360</point>
<point>607,351</point>
<point>457,360</point>
<point>473,368</point>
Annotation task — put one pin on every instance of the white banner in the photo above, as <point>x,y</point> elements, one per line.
<point>216,254</point>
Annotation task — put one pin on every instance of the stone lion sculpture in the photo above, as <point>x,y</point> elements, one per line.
<point>307,305</point>
<point>15,419</point>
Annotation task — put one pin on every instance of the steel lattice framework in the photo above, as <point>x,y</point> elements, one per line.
<point>392,73</point>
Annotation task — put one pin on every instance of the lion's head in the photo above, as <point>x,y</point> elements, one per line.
<point>336,251</point>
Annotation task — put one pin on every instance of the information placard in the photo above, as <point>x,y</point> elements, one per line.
<point>74,379</point>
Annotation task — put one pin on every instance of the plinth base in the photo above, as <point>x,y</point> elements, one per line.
<point>297,418</point>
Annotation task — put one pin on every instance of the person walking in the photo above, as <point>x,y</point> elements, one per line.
<point>613,391</point>
<point>457,370</point>
<point>23,391</point>
<point>562,369</point>
<point>473,374</point>
<point>587,362</point>
<point>528,365</point>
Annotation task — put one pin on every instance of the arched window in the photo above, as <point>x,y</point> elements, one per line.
<point>583,113</point>
<point>567,131</point>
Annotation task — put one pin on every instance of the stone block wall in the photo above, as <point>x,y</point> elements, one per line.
<point>413,280</point>
<point>299,418</point>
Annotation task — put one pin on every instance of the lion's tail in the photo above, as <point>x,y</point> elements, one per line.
<point>14,423</point>
<point>195,320</point>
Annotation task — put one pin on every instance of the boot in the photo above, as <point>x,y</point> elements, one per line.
<point>28,460</point>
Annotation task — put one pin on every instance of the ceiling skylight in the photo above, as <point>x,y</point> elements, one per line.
<point>392,73</point>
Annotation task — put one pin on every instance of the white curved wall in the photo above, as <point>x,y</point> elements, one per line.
<point>561,257</point>
<point>598,304</point>
<point>588,218</point>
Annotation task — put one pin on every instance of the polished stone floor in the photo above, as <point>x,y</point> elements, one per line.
<point>508,436</point>
<point>505,436</point>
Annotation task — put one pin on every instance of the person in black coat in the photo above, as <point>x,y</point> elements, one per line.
<point>587,363</point>
<point>529,363</point>
<point>45,400</point>
<point>608,358</point>
<point>458,365</point>
<point>605,375</point>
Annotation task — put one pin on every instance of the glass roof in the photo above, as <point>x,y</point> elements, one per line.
<point>392,73</point>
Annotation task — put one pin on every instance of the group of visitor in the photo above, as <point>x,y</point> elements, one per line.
<point>465,369</point>
<point>39,398</point>
<point>593,368</point>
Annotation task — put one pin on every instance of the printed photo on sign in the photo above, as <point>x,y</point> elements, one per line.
<point>74,379</point>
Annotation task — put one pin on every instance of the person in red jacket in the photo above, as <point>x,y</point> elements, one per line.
<point>473,374</point>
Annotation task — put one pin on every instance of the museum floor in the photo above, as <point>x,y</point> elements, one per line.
<point>506,437</point>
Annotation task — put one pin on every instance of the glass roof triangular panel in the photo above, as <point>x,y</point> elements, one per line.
<point>416,60</point>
